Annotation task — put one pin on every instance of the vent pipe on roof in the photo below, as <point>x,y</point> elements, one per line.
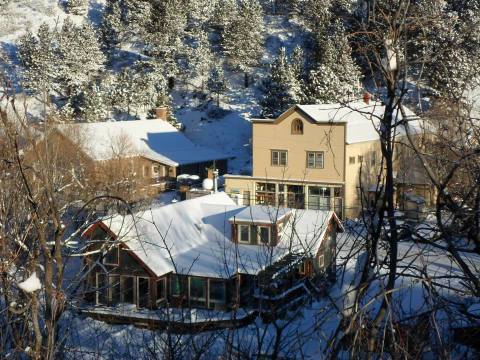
<point>161,113</point>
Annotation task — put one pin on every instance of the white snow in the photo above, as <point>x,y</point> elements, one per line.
<point>363,120</point>
<point>31,284</point>
<point>197,233</point>
<point>154,139</point>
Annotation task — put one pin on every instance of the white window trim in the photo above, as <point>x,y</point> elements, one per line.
<point>321,261</point>
<point>214,300</point>
<point>159,300</point>
<point>121,288</point>
<point>279,152</point>
<point>259,241</point>
<point>118,255</point>
<point>315,155</point>
<point>97,292</point>
<point>239,235</point>
<point>190,298</point>
<point>137,292</point>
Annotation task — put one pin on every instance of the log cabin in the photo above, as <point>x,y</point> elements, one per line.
<point>206,253</point>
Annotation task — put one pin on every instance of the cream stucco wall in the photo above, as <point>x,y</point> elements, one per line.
<point>325,137</point>
<point>370,151</point>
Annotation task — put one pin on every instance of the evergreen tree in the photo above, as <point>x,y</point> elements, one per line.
<point>336,77</point>
<point>79,54</point>
<point>111,28</point>
<point>217,83</point>
<point>243,37</point>
<point>77,7</point>
<point>281,89</point>
<point>199,57</point>
<point>224,12</point>
<point>93,105</point>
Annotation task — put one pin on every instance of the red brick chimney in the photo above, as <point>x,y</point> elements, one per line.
<point>161,113</point>
<point>366,97</point>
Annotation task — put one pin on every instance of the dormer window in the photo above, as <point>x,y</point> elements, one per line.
<point>297,127</point>
<point>244,234</point>
<point>263,235</point>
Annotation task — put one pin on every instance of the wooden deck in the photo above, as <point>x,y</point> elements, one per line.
<point>180,322</point>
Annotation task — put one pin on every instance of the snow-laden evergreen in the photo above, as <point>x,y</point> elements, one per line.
<point>243,37</point>
<point>282,88</point>
<point>76,7</point>
<point>217,83</point>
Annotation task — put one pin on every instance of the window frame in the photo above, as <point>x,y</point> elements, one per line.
<point>315,155</point>
<point>137,300</point>
<point>205,299</point>
<point>113,247</point>
<point>297,127</point>
<point>321,261</point>
<point>259,237</point>
<point>351,160</point>
<point>360,159</point>
<point>279,157</point>
<point>239,235</point>
<point>214,302</point>
<point>122,289</point>
<point>97,291</point>
<point>164,297</point>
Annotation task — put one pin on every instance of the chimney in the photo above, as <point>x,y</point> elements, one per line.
<point>161,113</point>
<point>366,97</point>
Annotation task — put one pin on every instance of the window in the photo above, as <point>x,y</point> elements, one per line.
<point>143,292</point>
<point>216,294</point>
<point>127,289</point>
<point>112,256</point>
<point>161,290</point>
<point>279,158</point>
<point>102,291</point>
<point>352,160</point>
<point>321,261</point>
<point>301,268</point>
<point>244,234</point>
<point>315,159</point>
<point>114,289</point>
<point>360,159</point>
<point>177,285</point>
<point>156,170</point>
<point>297,127</point>
<point>246,197</point>
<point>263,234</point>
<point>198,291</point>
<point>146,171</point>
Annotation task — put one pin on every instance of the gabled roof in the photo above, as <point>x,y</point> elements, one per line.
<point>197,234</point>
<point>154,139</point>
<point>362,120</point>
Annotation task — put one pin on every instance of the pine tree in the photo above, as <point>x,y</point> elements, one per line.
<point>224,13</point>
<point>281,89</point>
<point>199,57</point>
<point>243,37</point>
<point>217,83</point>
<point>77,7</point>
<point>93,106</point>
<point>111,28</point>
<point>336,77</point>
<point>80,56</point>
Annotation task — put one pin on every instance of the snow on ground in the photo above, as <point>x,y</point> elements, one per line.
<point>232,133</point>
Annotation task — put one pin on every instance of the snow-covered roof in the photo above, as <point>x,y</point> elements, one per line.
<point>261,214</point>
<point>154,139</point>
<point>362,120</point>
<point>197,234</point>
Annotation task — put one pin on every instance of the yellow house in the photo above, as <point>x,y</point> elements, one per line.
<point>312,157</point>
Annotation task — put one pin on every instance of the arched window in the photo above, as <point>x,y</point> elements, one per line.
<point>297,127</point>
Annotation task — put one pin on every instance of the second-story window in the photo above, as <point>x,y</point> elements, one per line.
<point>264,235</point>
<point>315,159</point>
<point>279,158</point>
<point>352,160</point>
<point>297,127</point>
